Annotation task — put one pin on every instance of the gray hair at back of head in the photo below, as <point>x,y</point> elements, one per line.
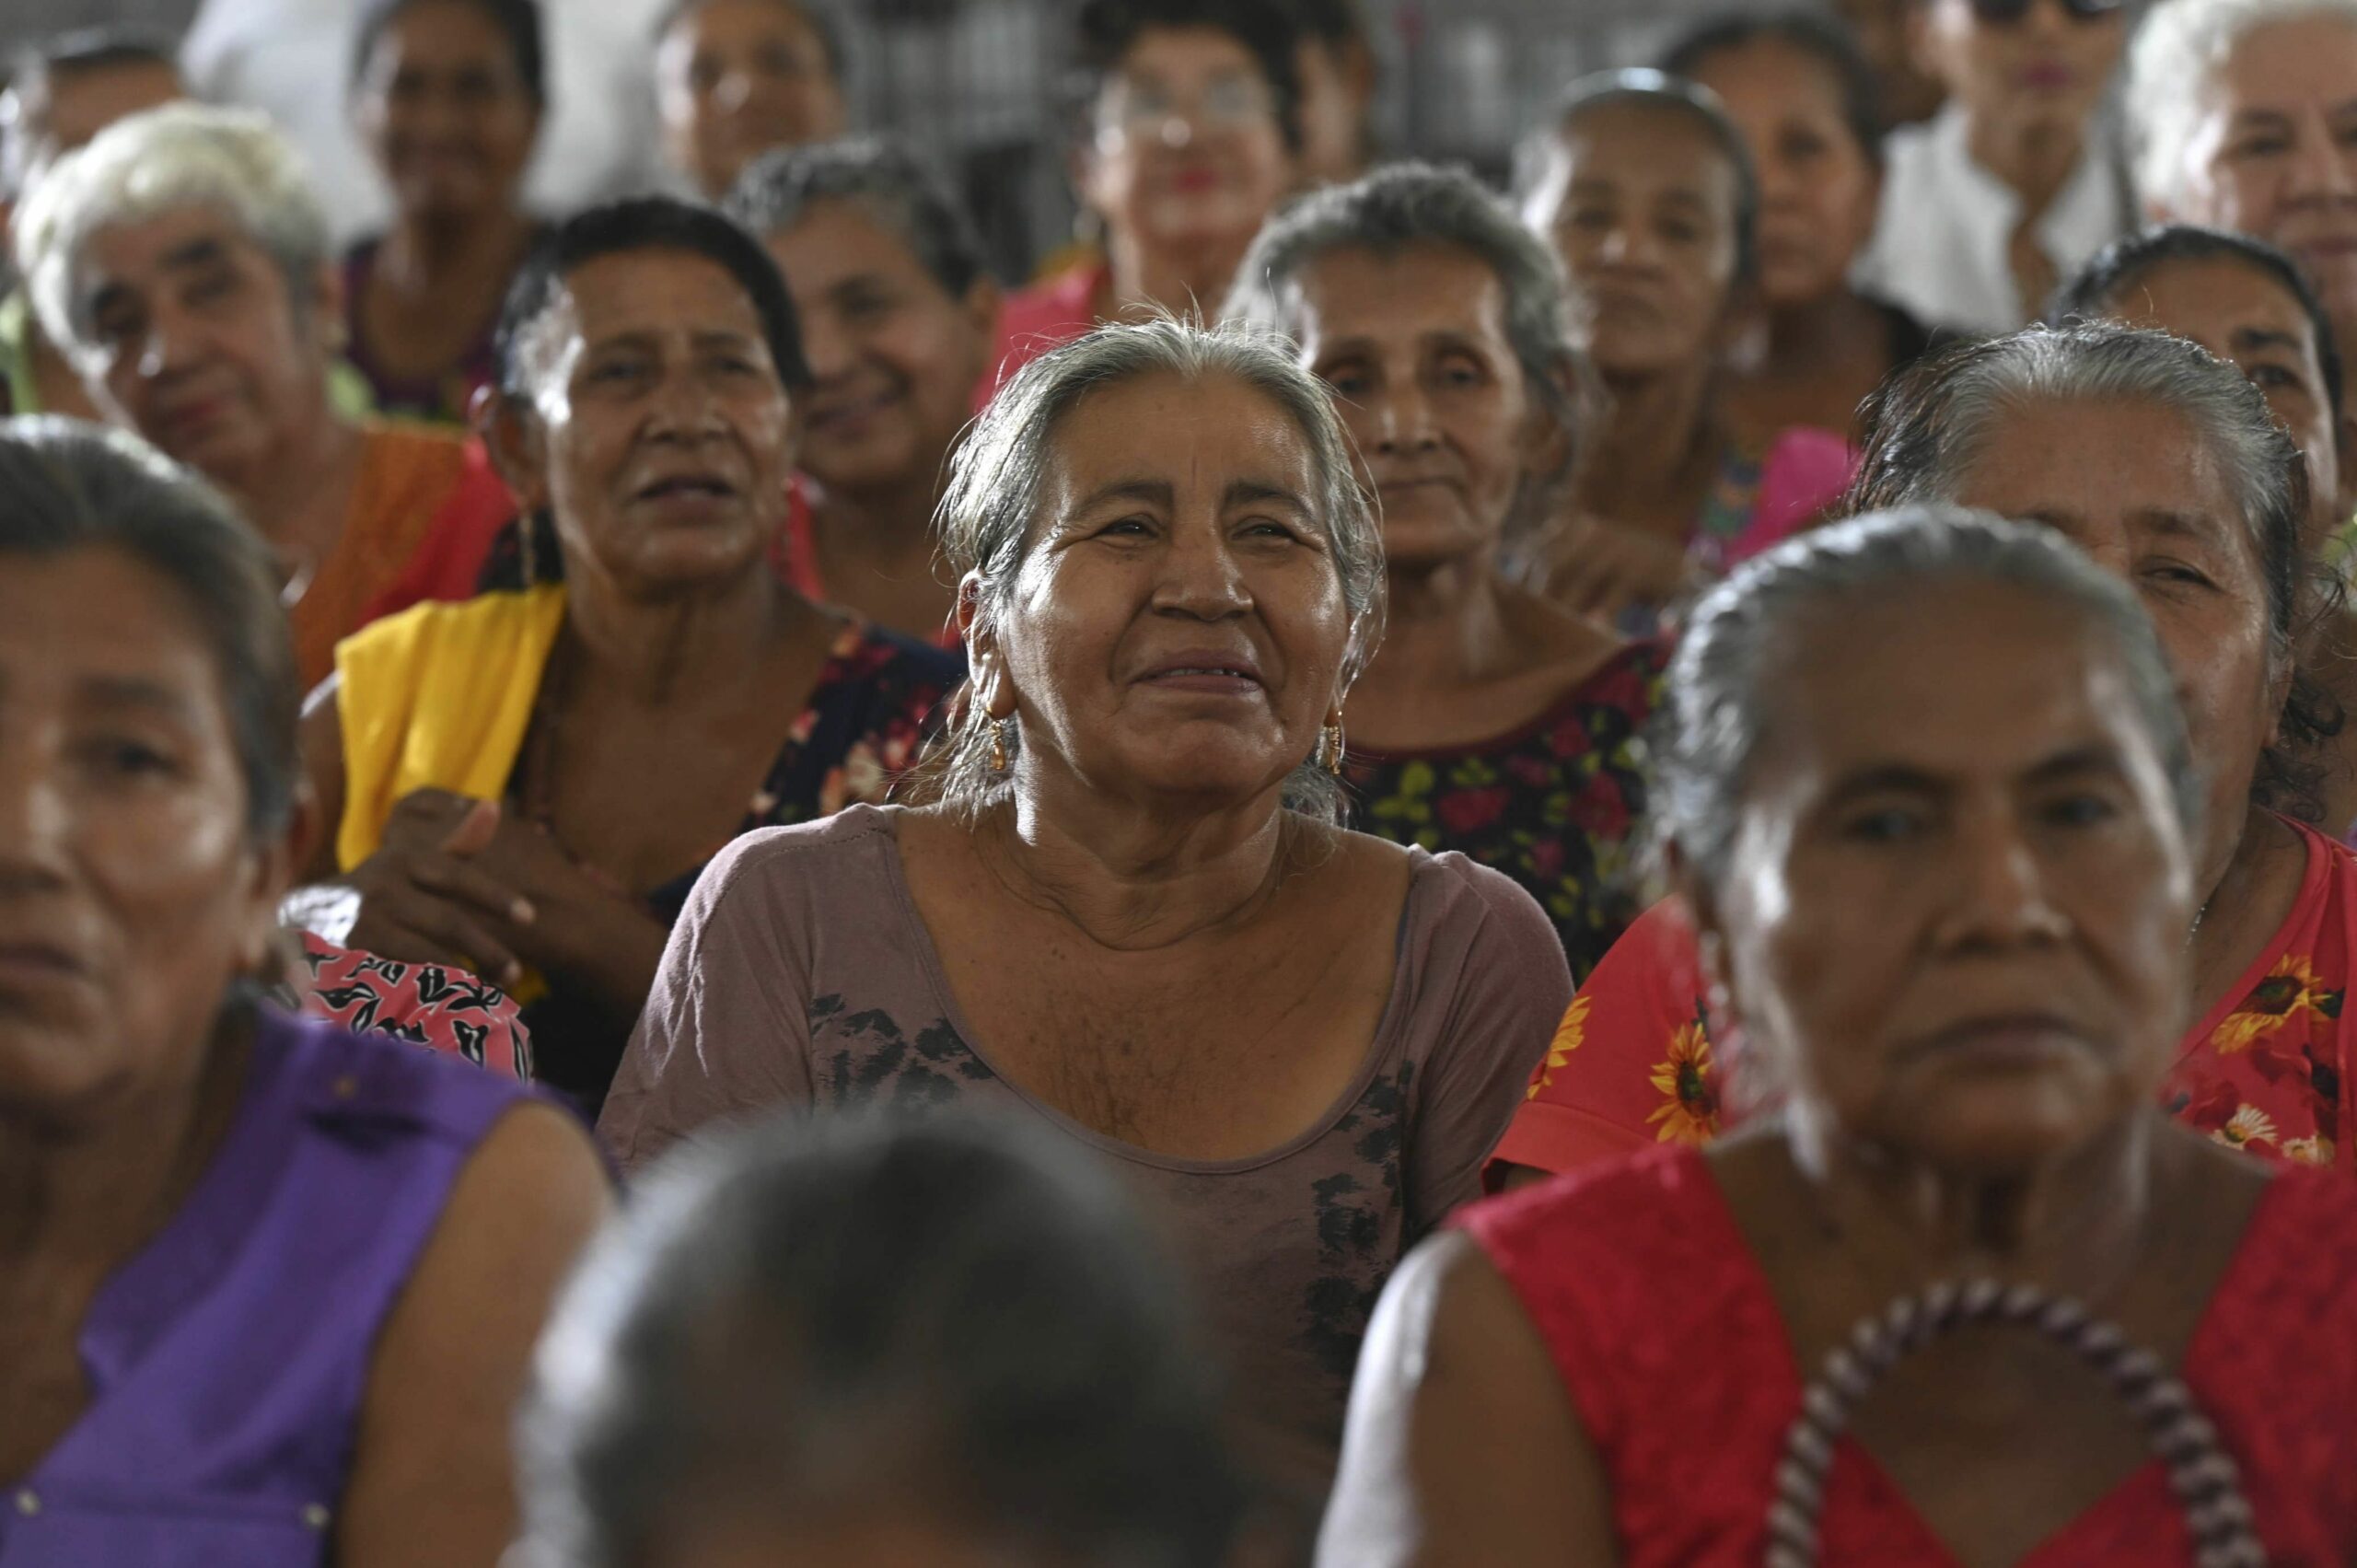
<point>867,1315</point>
<point>988,513</point>
<point>182,155</point>
<point>1720,701</point>
<point>1419,204</point>
<point>881,177</point>
<point>2175,48</point>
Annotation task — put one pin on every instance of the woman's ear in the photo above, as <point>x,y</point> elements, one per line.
<point>993,691</point>
<point>1700,905</point>
<point>518,449</point>
<point>981,308</point>
<point>327,322</point>
<point>1554,437</point>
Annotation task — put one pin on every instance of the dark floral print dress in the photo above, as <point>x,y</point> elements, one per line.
<point>1553,805</point>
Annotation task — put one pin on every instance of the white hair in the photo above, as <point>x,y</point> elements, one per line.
<point>182,155</point>
<point>2180,43</point>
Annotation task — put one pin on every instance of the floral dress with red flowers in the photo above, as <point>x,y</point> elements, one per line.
<point>2268,1070</point>
<point>1553,805</point>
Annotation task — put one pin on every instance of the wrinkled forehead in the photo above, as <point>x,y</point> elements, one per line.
<point>1187,438</point>
<point>1642,150</point>
<point>653,296</point>
<point>143,253</point>
<point>1953,682</point>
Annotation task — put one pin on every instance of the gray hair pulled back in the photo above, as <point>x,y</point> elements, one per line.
<point>988,512</point>
<point>1930,424</point>
<point>1420,204</point>
<point>1720,700</point>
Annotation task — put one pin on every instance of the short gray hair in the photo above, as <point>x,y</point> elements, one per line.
<point>881,177</point>
<point>987,513</point>
<point>1719,703</point>
<point>2179,43</point>
<point>1419,204</point>
<point>182,155</point>
<point>800,1315</point>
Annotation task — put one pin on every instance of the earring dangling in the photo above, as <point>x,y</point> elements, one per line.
<point>1330,748</point>
<point>998,746</point>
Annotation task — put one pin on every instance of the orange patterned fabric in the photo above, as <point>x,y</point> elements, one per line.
<point>2267,1071</point>
<point>407,475</point>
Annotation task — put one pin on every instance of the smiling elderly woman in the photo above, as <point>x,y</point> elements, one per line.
<point>1930,794</point>
<point>1124,909</point>
<point>182,264</point>
<point>504,776</point>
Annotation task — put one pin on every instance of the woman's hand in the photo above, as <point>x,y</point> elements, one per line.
<point>423,896</point>
<point>1601,568</point>
<point>581,924</point>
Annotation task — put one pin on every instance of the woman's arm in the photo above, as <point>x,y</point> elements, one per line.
<point>1462,1447</point>
<point>726,1026</point>
<point>432,1480</point>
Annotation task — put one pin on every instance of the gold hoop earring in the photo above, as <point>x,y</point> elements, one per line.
<point>1330,749</point>
<point>999,763</point>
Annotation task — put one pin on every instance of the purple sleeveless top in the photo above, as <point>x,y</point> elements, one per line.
<point>228,1358</point>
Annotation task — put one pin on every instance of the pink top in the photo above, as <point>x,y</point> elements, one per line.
<point>1045,316</point>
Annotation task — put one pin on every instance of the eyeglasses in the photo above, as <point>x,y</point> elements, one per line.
<point>1226,103</point>
<point>2007,13</point>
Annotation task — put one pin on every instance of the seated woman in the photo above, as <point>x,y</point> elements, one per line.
<point>736,78</point>
<point>2016,181</point>
<point>2168,468</point>
<point>2251,306</point>
<point>1123,906</point>
<point>898,318</point>
<point>1972,1297</point>
<point>181,263</point>
<point>1804,98</point>
<point>2238,117</point>
<point>1490,720</point>
<point>1644,188</point>
<point>1190,130</point>
<point>794,1337</point>
<point>271,1288</point>
<point>448,97</point>
<point>503,775</point>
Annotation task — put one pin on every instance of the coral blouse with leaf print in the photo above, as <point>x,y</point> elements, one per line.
<point>1636,1060</point>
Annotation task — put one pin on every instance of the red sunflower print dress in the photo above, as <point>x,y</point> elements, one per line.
<point>1633,1062</point>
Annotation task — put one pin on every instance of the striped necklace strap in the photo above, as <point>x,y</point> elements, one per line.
<point>2201,1474</point>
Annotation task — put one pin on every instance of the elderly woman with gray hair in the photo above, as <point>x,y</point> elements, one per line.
<point>2239,117</point>
<point>2167,468</point>
<point>1123,906</point>
<point>1971,1297</point>
<point>182,265</point>
<point>1491,720</point>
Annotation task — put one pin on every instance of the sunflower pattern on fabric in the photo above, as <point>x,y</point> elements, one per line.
<point>1553,805</point>
<point>1568,1036</point>
<point>2266,1072</point>
<point>1689,1109</point>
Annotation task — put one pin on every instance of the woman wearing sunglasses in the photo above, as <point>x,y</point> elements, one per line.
<point>2012,186</point>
